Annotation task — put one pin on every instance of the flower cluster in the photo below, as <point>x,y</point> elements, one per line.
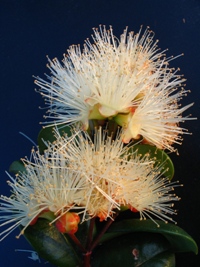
<point>127,80</point>
<point>93,172</point>
<point>93,178</point>
<point>116,176</point>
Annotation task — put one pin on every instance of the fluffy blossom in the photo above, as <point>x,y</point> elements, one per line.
<point>45,185</point>
<point>18,209</point>
<point>127,79</point>
<point>117,176</point>
<point>149,194</point>
<point>94,178</point>
<point>98,162</point>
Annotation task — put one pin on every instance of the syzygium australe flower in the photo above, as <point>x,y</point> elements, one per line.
<point>19,208</point>
<point>149,194</point>
<point>45,185</point>
<point>116,176</point>
<point>127,79</point>
<point>97,162</point>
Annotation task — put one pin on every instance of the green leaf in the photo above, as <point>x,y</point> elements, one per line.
<point>51,244</point>
<point>158,155</point>
<point>17,166</point>
<point>180,240</point>
<point>47,134</point>
<point>138,249</point>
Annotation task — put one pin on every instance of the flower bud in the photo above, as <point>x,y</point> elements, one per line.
<point>132,208</point>
<point>68,223</point>
<point>34,221</point>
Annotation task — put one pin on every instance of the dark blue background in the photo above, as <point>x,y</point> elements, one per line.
<point>32,29</point>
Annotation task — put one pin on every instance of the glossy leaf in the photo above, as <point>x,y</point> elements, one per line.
<point>47,134</point>
<point>52,245</point>
<point>138,249</point>
<point>17,166</point>
<point>180,240</point>
<point>158,155</point>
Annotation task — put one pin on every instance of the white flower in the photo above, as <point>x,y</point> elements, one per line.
<point>149,194</point>
<point>113,78</point>
<point>117,176</point>
<point>93,178</point>
<point>46,185</point>
<point>19,208</point>
<point>98,163</point>
<point>56,188</point>
<point>156,119</point>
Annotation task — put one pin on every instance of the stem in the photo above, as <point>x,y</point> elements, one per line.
<point>107,225</point>
<point>86,260</point>
<point>87,255</point>
<point>78,243</point>
<point>91,245</point>
<point>90,233</point>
